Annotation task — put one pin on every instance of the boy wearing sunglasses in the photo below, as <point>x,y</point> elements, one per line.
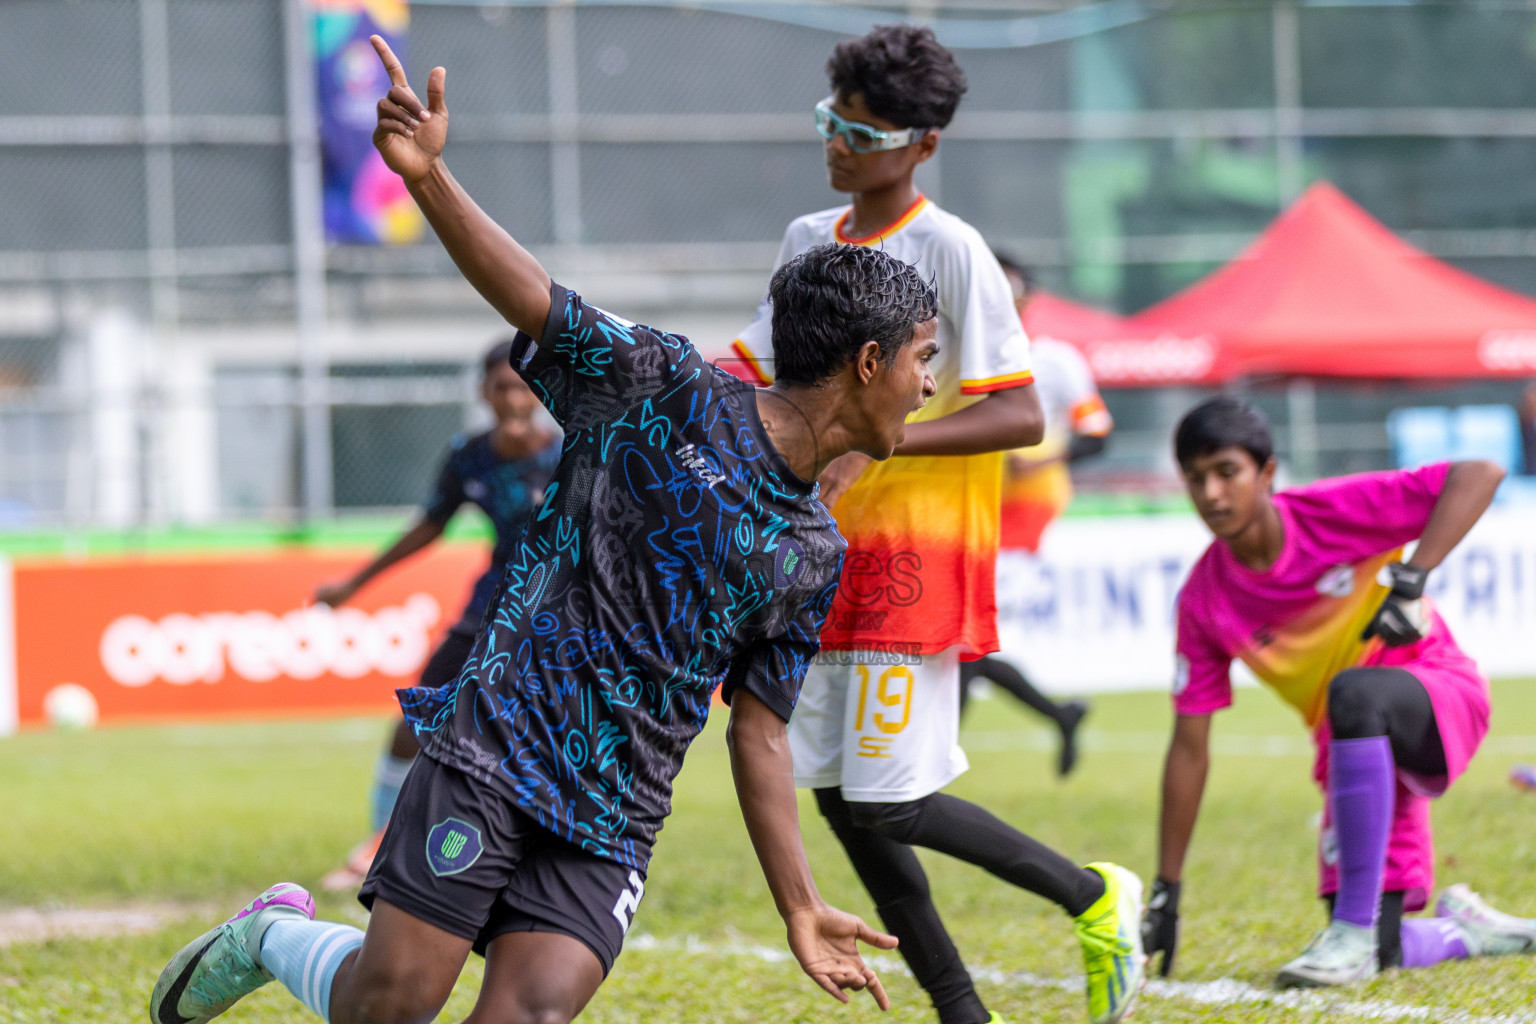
<point>875,734</point>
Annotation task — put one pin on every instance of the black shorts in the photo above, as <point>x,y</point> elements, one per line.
<point>461,857</point>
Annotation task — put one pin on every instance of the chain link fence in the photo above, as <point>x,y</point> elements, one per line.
<point>651,153</point>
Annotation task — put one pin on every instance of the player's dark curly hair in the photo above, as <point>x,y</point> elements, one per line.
<point>497,356</point>
<point>1222,422</point>
<point>831,299</point>
<point>902,72</point>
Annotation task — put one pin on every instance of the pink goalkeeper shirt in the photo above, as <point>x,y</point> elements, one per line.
<point>1297,624</point>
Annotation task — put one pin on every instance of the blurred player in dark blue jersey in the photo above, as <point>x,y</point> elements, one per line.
<point>504,471</point>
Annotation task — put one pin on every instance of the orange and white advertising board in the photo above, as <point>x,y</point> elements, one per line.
<point>179,637</point>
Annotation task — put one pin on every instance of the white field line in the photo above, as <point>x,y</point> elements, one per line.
<point>1222,992</point>
<point>31,924</point>
<point>1299,745</point>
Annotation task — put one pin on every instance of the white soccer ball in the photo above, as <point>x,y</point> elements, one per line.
<point>70,706</point>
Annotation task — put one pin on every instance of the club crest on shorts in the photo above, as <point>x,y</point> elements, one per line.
<point>452,846</point>
<point>787,563</point>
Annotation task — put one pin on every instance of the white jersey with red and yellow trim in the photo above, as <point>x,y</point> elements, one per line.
<point>982,347</point>
<point>922,531</point>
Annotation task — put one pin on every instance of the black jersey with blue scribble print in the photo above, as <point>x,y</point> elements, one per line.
<point>674,552</point>
<point>506,491</point>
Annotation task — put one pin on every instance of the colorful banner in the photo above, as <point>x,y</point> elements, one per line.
<point>364,201</point>
<point>182,638</point>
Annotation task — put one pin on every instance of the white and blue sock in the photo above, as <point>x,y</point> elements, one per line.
<point>388,776</point>
<point>305,955</point>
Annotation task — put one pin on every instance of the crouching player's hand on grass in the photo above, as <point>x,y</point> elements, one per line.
<point>825,940</point>
<point>1160,925</point>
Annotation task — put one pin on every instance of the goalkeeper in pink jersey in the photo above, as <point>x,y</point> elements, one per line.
<point>1310,589</point>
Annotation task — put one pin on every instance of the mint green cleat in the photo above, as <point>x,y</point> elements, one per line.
<point>1110,932</point>
<point>219,967</point>
<point>1488,932</point>
<point>1340,954</point>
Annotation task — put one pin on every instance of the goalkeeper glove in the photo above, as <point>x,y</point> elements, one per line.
<point>1160,925</point>
<point>1400,620</point>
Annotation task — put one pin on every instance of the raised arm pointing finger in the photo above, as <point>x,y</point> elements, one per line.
<point>410,137</point>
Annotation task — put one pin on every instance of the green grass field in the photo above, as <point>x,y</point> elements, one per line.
<point>204,817</point>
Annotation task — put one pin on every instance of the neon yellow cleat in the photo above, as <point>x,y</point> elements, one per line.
<point>1110,932</point>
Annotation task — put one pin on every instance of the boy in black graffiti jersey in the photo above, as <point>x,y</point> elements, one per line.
<point>679,547</point>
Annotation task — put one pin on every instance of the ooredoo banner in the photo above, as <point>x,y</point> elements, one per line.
<point>164,639</point>
<point>169,638</point>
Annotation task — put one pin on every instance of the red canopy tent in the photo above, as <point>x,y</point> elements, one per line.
<point>1123,354</point>
<point>1327,290</point>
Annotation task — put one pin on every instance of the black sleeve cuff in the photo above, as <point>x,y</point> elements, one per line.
<point>530,355</point>
<point>758,686</point>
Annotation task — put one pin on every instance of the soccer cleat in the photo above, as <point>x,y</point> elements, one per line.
<point>1110,932</point>
<point>355,871</point>
<point>1340,954</point>
<point>1072,714</point>
<point>219,967</point>
<point>1488,932</point>
<point>1524,777</point>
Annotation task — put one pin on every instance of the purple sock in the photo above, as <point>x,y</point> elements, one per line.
<point>1362,788</point>
<point>1429,940</point>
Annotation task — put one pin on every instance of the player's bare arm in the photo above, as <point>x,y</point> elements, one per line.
<point>1468,491</point>
<point>407,544</point>
<point>1001,421</point>
<point>823,939</point>
<point>1464,497</point>
<point>410,137</point>
<point>1184,772</point>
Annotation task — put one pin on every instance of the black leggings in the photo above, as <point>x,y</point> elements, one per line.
<point>876,837</point>
<point>1001,673</point>
<point>1390,702</point>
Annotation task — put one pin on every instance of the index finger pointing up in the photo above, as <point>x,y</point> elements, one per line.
<point>391,62</point>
